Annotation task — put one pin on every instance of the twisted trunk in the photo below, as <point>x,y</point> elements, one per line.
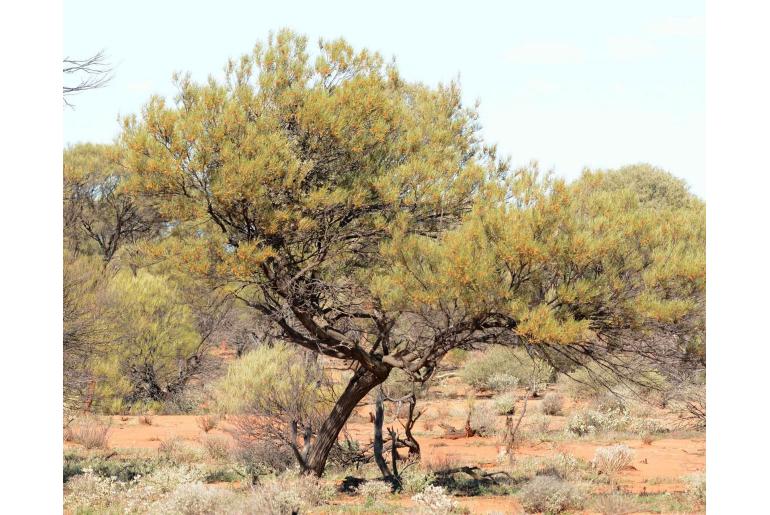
<point>360,384</point>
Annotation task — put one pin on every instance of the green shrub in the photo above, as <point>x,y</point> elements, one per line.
<point>505,404</point>
<point>586,422</point>
<point>414,480</point>
<point>374,492</point>
<point>499,366</point>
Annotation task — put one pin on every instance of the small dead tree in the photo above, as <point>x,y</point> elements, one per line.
<point>91,73</point>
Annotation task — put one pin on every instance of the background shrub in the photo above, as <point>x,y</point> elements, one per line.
<point>613,459</point>
<point>552,404</point>
<point>90,432</point>
<point>549,495</point>
<point>497,366</point>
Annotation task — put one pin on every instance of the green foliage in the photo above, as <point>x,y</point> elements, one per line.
<point>99,215</point>
<point>267,378</point>
<point>487,370</point>
<point>155,335</point>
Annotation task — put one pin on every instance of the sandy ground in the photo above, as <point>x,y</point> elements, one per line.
<point>657,467</point>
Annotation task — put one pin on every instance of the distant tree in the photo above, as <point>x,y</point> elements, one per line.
<point>156,345</point>
<point>85,74</point>
<point>363,217</point>
<point>99,217</point>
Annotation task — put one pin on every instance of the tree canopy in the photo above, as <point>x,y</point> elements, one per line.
<point>362,215</point>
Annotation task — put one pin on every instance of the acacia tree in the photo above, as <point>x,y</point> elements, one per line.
<point>364,218</point>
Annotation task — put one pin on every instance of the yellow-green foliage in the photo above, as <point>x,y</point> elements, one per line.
<point>270,378</point>
<point>154,333</point>
<point>481,371</point>
<point>566,261</point>
<point>288,139</point>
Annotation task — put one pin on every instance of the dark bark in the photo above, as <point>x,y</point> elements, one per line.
<point>362,382</point>
<point>379,415</point>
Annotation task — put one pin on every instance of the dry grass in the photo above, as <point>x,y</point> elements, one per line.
<point>90,432</point>
<point>207,422</point>
<point>217,447</point>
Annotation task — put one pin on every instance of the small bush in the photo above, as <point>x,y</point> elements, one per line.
<point>170,447</point>
<point>216,447</point>
<point>90,492</point>
<point>591,421</point>
<point>261,457</point>
<point>611,460</point>
<point>549,495</point>
<point>498,366</point>
<point>374,492</point>
<point>615,504</point>
<point>194,499</point>
<point>434,501</point>
<point>539,423</point>
<point>505,404</point>
<point>502,382</point>
<point>145,420</point>
<point>414,480</point>
<point>90,432</point>
<point>696,488</point>
<point>483,420</point>
<point>648,439</point>
<point>552,404</point>
<point>207,422</point>
<point>287,494</point>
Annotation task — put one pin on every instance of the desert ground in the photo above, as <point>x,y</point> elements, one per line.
<point>654,481</point>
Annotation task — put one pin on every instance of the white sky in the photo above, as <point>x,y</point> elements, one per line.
<point>570,84</point>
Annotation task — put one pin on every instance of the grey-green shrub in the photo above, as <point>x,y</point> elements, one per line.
<point>550,495</point>
<point>552,404</point>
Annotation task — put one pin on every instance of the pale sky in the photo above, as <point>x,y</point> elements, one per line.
<point>570,84</point>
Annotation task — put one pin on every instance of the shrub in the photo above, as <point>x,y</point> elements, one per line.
<point>647,426</point>
<point>455,358</point>
<point>483,419</point>
<point>648,439</point>
<point>374,491</point>
<point>498,366</point>
<point>287,494</point>
<point>414,480</point>
<point>90,432</point>
<point>502,382</point>
<point>170,446</point>
<point>591,421</point>
<point>505,404</point>
<point>433,500</point>
<point>194,499</point>
<point>615,504</point>
<point>216,447</point>
<point>613,459</point>
<point>549,494</point>
<point>145,419</point>
<point>539,423</point>
<point>207,422</point>
<point>260,457</point>
<point>552,404</point>
<point>696,487</point>
<point>89,491</point>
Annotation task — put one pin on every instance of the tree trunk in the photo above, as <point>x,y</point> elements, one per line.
<point>360,384</point>
<point>379,415</point>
